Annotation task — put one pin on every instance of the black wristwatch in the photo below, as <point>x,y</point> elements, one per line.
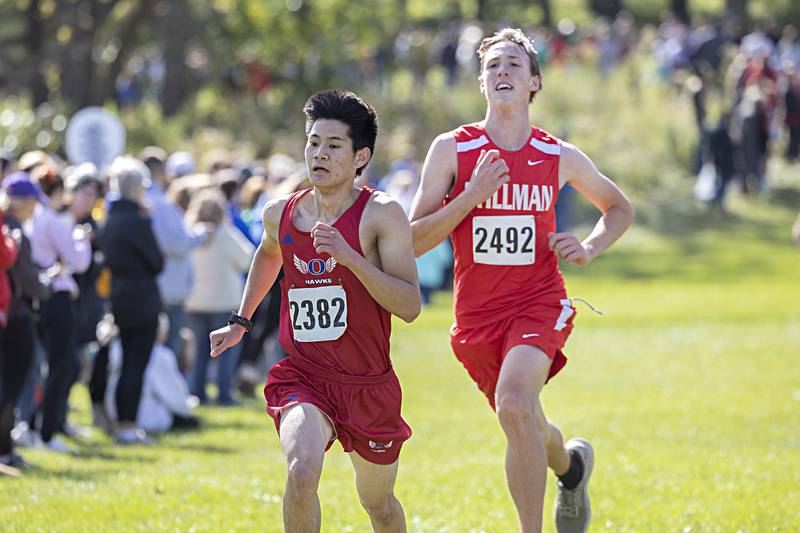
<point>242,321</point>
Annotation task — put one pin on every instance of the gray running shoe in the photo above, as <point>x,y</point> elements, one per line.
<point>572,509</point>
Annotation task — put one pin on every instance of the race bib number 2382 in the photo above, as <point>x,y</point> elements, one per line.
<point>318,313</point>
<point>504,240</point>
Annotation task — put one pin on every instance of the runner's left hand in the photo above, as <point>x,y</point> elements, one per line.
<point>569,248</point>
<point>329,240</point>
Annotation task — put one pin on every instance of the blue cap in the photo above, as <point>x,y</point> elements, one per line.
<point>19,185</point>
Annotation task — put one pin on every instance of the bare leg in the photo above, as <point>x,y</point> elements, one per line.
<point>305,432</point>
<point>522,376</point>
<point>557,454</point>
<point>375,485</point>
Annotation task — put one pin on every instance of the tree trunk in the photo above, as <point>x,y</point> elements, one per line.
<point>75,56</point>
<point>175,31</point>
<point>606,8</point>
<point>737,8</point>
<point>681,10</point>
<point>126,35</point>
<point>483,12</point>
<point>34,40</point>
<point>547,13</point>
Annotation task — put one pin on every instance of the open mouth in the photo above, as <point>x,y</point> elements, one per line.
<point>503,86</point>
<point>319,169</point>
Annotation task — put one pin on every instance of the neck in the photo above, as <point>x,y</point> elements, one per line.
<point>509,127</point>
<point>330,203</point>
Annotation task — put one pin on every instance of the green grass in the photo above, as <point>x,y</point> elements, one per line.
<point>689,388</point>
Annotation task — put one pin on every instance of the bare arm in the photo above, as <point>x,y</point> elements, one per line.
<point>394,285</point>
<point>263,272</point>
<point>431,222</point>
<point>617,213</point>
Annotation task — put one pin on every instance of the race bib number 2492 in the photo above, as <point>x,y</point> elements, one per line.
<point>504,240</point>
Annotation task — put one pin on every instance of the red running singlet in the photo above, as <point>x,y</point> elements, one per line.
<point>329,322</point>
<point>502,260</point>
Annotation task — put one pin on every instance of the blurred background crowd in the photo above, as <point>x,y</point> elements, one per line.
<point>115,270</point>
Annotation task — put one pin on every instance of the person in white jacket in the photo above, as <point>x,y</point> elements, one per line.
<point>166,403</point>
<point>220,266</point>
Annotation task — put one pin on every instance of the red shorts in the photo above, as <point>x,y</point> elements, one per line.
<point>364,411</point>
<point>482,349</point>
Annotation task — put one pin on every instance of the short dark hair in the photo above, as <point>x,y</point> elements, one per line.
<point>347,107</point>
<point>518,37</point>
<point>154,158</point>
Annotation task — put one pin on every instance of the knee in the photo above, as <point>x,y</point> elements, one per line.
<point>303,476</point>
<point>514,410</point>
<point>379,508</point>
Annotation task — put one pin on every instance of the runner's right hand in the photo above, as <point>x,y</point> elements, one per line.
<point>490,173</point>
<point>224,338</point>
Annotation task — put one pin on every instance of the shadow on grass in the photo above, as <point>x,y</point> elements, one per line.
<point>123,455</point>
<point>207,424</point>
<point>788,197</point>
<point>70,474</point>
<point>200,448</point>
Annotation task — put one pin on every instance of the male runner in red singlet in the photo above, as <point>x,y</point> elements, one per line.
<point>493,186</point>
<point>348,265</point>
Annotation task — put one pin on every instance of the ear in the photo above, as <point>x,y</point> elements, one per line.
<point>362,157</point>
<point>481,83</point>
<point>536,83</point>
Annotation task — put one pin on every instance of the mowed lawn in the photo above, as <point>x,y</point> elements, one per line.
<point>688,387</point>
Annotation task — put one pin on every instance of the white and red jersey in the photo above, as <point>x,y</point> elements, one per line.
<point>502,260</point>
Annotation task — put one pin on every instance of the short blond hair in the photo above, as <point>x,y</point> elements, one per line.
<point>516,36</point>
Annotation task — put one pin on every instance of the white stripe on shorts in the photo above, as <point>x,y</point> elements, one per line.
<point>566,312</point>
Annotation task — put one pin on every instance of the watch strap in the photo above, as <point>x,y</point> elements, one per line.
<point>242,321</point>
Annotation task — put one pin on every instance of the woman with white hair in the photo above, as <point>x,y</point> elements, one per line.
<point>133,256</point>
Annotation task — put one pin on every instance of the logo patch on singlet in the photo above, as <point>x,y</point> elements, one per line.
<point>316,266</point>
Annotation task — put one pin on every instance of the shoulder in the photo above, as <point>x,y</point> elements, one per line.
<point>573,160</point>
<point>444,143</point>
<point>547,143</point>
<point>382,210</point>
<point>382,203</point>
<point>273,209</point>
<point>442,156</point>
<point>467,132</point>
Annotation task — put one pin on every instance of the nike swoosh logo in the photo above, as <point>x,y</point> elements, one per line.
<point>534,163</point>
<point>529,335</point>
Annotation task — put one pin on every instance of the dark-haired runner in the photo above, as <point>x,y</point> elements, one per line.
<point>349,265</point>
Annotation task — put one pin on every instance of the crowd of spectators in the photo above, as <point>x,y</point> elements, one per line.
<point>116,277</point>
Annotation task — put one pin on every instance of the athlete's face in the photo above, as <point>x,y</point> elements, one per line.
<point>330,158</point>
<point>506,74</point>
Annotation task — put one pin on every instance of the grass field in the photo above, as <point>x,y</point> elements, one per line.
<point>689,388</point>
